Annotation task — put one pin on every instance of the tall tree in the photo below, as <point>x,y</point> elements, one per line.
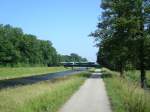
<point>142,14</point>
<point>112,31</point>
<point>123,34</point>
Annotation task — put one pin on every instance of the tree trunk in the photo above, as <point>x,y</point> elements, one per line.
<point>121,70</point>
<point>122,73</point>
<point>142,52</point>
<point>143,78</point>
<point>142,63</point>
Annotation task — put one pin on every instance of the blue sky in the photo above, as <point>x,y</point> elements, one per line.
<point>67,23</point>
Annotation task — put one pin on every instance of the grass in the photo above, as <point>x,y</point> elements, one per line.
<point>8,73</point>
<point>46,96</point>
<point>134,75</point>
<point>126,96</point>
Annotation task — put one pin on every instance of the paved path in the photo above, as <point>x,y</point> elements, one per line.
<point>91,97</point>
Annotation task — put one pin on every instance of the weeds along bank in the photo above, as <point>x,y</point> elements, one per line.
<point>126,96</point>
<point>46,96</point>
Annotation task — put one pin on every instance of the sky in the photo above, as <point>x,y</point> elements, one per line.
<point>66,23</point>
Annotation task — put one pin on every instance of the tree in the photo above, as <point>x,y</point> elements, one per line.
<point>19,48</point>
<point>142,15</point>
<point>73,57</point>
<point>112,31</point>
<point>122,34</point>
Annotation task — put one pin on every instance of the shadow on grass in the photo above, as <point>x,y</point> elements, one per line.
<point>85,75</point>
<point>95,76</point>
<point>106,75</point>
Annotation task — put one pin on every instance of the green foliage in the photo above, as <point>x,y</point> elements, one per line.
<point>19,48</point>
<point>72,58</point>
<point>123,35</point>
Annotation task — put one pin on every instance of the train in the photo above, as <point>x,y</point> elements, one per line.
<point>80,64</point>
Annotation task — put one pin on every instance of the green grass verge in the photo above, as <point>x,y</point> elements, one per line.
<point>46,96</point>
<point>126,96</point>
<point>8,73</point>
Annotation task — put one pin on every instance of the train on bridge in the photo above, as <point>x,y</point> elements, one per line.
<point>80,64</point>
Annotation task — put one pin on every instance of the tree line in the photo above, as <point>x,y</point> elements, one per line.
<point>20,49</point>
<point>123,36</point>
<point>72,58</point>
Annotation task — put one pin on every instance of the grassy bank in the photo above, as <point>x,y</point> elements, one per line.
<point>46,96</point>
<point>7,73</point>
<point>126,96</point>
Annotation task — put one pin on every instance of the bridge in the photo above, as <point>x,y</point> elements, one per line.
<point>80,64</point>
